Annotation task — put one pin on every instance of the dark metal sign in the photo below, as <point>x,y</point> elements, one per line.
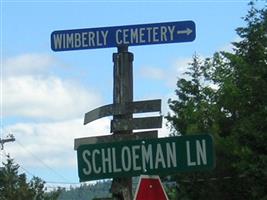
<point>122,109</point>
<point>114,138</point>
<point>159,156</point>
<point>131,35</point>
<point>136,123</point>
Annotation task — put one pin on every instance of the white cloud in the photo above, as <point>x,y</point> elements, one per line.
<point>164,131</point>
<point>177,70</point>
<point>51,144</point>
<point>56,107</point>
<point>26,64</point>
<point>29,90</point>
<point>229,47</point>
<point>152,73</point>
<point>46,97</point>
<point>181,65</point>
<point>167,75</point>
<point>49,147</point>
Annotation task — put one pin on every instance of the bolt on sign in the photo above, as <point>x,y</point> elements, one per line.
<point>160,156</point>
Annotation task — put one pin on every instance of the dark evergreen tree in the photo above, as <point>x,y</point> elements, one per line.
<point>191,111</point>
<point>234,112</point>
<point>14,186</point>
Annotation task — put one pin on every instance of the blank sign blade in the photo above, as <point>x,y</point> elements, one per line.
<point>136,123</point>
<point>114,138</point>
<point>145,106</point>
<point>122,109</point>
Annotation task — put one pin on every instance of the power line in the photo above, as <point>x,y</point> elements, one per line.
<point>203,179</point>
<point>63,183</point>
<point>27,171</point>
<point>46,182</point>
<point>214,178</point>
<point>43,163</point>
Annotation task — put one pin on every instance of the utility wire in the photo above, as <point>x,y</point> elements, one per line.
<point>31,174</point>
<point>46,182</point>
<point>42,162</point>
<point>4,154</point>
<point>64,183</point>
<point>58,184</point>
<point>27,171</point>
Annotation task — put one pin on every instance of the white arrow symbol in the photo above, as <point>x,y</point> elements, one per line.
<point>188,31</point>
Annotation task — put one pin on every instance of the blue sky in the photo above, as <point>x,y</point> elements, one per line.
<point>44,94</point>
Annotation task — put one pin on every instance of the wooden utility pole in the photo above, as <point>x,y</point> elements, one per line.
<point>3,141</point>
<point>122,93</point>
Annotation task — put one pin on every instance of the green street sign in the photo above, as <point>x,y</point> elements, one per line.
<point>160,156</point>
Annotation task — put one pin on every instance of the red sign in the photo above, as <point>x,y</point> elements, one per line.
<point>150,188</point>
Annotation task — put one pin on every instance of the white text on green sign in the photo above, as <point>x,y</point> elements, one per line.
<point>149,156</point>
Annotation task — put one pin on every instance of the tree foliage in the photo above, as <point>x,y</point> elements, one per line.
<point>226,96</point>
<point>14,186</point>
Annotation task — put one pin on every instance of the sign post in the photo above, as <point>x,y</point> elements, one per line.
<point>123,108</point>
<point>122,93</point>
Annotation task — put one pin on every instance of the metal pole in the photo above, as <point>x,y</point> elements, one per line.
<point>122,93</point>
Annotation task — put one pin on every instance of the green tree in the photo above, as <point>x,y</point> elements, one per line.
<point>192,110</point>
<point>14,186</point>
<point>194,113</point>
<point>234,112</point>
